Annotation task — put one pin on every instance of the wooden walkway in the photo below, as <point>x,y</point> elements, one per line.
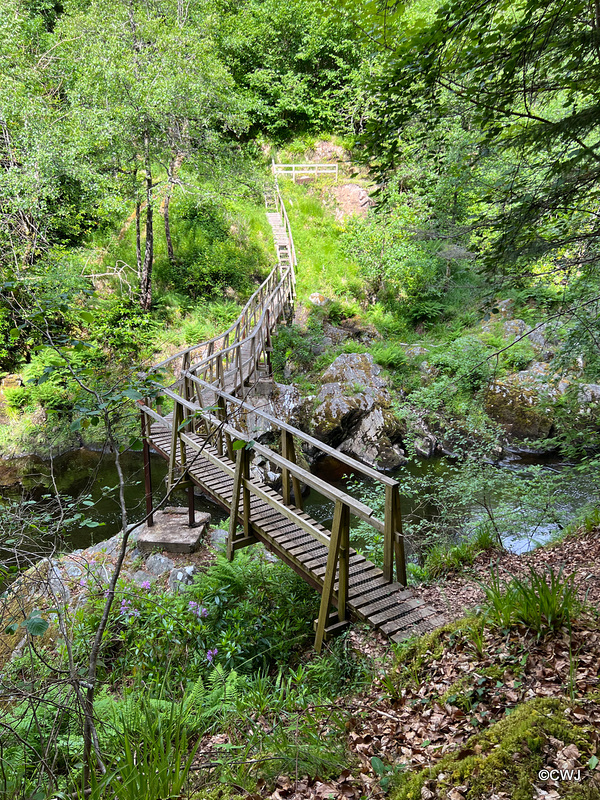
<point>199,427</point>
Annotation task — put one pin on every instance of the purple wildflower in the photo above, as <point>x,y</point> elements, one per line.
<point>197,609</point>
<point>145,584</point>
<point>211,654</point>
<point>83,582</point>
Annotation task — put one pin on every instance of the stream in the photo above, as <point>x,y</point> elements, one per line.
<point>93,475</point>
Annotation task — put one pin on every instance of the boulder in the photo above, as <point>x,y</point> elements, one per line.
<point>544,340</point>
<point>337,410</point>
<point>282,401</point>
<point>513,328</point>
<point>108,547</point>
<point>158,565</point>
<point>181,577</point>
<point>56,586</point>
<point>218,537</point>
<point>416,350</point>
<point>140,576</point>
<point>353,412</point>
<point>588,393</point>
<point>370,442</point>
<point>517,408</point>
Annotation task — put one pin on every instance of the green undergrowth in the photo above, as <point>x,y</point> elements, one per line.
<point>223,250</point>
<point>230,656</point>
<point>478,669</point>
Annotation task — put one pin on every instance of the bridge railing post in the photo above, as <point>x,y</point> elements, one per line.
<point>337,562</point>
<point>177,419</point>
<point>240,489</point>
<point>393,539</point>
<point>147,466</point>
<point>288,451</point>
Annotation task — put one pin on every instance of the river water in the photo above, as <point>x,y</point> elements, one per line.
<point>93,475</point>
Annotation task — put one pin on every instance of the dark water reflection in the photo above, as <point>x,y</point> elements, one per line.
<point>93,474</point>
<point>86,473</point>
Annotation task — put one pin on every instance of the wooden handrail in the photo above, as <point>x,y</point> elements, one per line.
<point>305,168</point>
<point>356,466</point>
<point>359,509</point>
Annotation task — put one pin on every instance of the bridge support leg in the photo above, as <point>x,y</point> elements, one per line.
<point>242,473</point>
<point>338,546</point>
<point>191,505</point>
<point>393,541</point>
<point>147,472</point>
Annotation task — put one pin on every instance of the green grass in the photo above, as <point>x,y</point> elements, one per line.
<point>442,559</point>
<point>322,265</point>
<point>540,602</point>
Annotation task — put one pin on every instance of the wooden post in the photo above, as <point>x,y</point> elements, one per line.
<point>288,451</point>
<point>176,421</point>
<point>340,519</point>
<point>344,563</point>
<point>268,345</point>
<point>388,535</point>
<point>399,540</point>
<point>147,468</point>
<point>393,540</point>
<point>245,456</point>
<point>285,473</point>
<point>191,504</point>
<point>242,473</point>
<point>222,414</point>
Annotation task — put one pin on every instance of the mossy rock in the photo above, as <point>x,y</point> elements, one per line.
<point>507,758</point>
<point>518,410</point>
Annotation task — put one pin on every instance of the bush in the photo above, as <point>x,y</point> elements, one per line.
<point>254,615</point>
<point>295,345</point>
<point>466,361</point>
<point>391,355</point>
<point>121,326</point>
<point>518,356</point>
<point>422,310</point>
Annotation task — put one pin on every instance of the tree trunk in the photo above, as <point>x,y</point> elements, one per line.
<point>174,166</point>
<point>167,225</point>
<point>138,238</point>
<point>146,281</point>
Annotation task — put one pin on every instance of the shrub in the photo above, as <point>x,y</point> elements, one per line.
<point>518,356</point>
<point>296,345</point>
<point>422,309</point>
<point>391,355</point>
<point>253,614</point>
<point>466,361</point>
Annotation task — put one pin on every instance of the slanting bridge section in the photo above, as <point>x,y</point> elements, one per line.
<point>199,426</point>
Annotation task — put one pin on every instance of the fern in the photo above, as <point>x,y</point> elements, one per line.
<point>204,705</point>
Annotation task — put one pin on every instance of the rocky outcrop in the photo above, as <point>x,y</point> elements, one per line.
<point>353,412</point>
<point>517,409</point>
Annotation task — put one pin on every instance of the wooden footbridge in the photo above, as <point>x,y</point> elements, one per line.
<point>200,425</point>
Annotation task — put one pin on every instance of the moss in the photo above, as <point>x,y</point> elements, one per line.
<point>412,654</point>
<point>506,757</point>
<point>518,409</point>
